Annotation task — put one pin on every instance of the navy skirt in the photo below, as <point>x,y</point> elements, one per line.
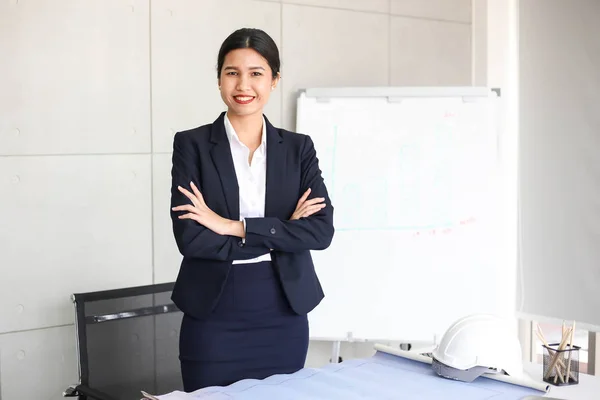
<point>251,333</point>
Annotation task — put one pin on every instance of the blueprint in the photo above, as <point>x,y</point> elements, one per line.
<point>381,377</point>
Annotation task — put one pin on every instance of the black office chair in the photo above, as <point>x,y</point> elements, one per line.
<point>127,341</point>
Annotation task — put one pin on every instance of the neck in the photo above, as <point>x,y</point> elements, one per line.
<point>248,128</point>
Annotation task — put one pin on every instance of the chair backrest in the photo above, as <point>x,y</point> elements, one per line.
<point>128,341</point>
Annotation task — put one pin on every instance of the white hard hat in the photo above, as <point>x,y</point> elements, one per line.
<point>478,344</point>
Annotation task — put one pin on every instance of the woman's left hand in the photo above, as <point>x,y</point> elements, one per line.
<point>199,211</point>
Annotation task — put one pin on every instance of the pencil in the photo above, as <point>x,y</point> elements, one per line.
<point>568,374</point>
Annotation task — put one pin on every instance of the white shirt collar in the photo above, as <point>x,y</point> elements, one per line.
<point>232,134</point>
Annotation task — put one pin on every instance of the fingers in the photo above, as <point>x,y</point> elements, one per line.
<point>310,210</point>
<point>314,201</point>
<point>197,193</point>
<point>196,197</point>
<point>193,216</point>
<point>189,195</point>
<point>303,197</point>
<point>302,207</point>
<point>186,207</point>
<point>305,208</point>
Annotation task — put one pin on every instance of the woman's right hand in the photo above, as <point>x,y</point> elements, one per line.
<point>306,208</point>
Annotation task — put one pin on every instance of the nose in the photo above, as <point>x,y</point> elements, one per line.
<point>242,83</point>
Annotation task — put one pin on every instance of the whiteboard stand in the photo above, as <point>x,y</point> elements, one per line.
<point>335,352</point>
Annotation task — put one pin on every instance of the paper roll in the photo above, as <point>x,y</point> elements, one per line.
<point>411,355</point>
<point>148,396</point>
<point>524,380</point>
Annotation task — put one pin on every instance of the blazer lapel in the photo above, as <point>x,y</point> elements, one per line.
<point>276,157</point>
<point>223,160</point>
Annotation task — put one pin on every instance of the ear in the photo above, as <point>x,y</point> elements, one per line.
<point>219,82</point>
<point>275,81</point>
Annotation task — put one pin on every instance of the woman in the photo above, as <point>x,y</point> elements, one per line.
<point>248,204</point>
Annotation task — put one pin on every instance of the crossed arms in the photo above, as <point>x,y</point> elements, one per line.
<point>202,233</point>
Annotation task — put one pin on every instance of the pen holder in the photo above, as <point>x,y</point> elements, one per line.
<point>561,367</point>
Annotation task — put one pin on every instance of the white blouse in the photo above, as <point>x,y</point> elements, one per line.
<point>252,178</point>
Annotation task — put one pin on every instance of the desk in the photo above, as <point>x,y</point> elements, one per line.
<point>588,387</point>
<point>386,376</point>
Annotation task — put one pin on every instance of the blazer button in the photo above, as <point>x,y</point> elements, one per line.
<point>273,231</point>
<point>241,244</point>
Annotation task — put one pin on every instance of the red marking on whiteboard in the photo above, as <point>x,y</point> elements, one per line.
<point>449,114</point>
<point>443,230</point>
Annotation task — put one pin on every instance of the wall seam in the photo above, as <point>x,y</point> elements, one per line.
<point>389,42</point>
<point>151,125</point>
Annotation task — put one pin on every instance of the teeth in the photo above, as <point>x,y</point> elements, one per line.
<point>243,98</point>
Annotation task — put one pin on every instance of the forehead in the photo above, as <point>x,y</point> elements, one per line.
<point>244,58</point>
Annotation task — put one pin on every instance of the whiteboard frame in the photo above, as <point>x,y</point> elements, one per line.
<point>398,93</point>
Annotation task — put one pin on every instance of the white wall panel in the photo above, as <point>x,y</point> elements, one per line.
<point>347,49</point>
<point>167,258</point>
<point>37,364</point>
<point>430,53</point>
<point>70,224</point>
<point>77,80</point>
<point>381,6</point>
<point>447,10</point>
<point>559,167</point>
<point>186,37</point>
<point>479,33</point>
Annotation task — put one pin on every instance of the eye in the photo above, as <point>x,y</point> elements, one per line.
<point>256,73</point>
<point>231,73</point>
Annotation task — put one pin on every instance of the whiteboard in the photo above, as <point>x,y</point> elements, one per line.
<point>413,177</point>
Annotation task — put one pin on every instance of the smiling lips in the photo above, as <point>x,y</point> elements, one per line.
<point>243,99</point>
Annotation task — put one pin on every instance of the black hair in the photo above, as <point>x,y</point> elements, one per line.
<point>251,38</point>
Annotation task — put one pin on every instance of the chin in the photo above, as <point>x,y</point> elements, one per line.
<point>243,111</point>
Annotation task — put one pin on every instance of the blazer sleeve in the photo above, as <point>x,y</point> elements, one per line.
<point>193,239</point>
<point>312,233</point>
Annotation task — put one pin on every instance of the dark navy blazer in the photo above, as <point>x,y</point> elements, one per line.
<point>203,156</point>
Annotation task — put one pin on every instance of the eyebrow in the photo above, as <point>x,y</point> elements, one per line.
<point>235,68</point>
